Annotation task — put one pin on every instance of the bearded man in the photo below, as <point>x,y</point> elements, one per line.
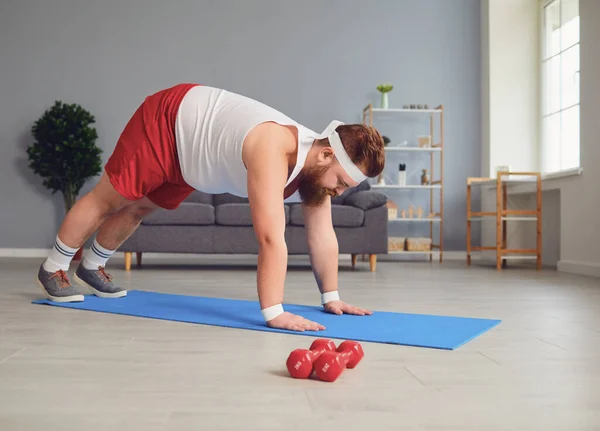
<point>196,137</point>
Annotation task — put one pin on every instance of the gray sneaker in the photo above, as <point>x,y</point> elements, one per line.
<point>57,287</point>
<point>99,282</point>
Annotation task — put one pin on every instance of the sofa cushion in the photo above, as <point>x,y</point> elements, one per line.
<point>226,198</point>
<point>341,200</point>
<point>188,213</point>
<point>342,215</point>
<point>238,214</point>
<point>200,198</point>
<point>233,215</point>
<point>366,199</point>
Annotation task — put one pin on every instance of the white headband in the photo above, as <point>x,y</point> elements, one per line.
<point>340,152</point>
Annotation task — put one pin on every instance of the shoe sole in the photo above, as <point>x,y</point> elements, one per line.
<point>72,298</point>
<point>97,292</point>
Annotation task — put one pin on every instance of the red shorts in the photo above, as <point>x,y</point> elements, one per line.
<point>144,161</point>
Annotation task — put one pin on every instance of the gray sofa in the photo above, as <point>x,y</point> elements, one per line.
<point>222,224</point>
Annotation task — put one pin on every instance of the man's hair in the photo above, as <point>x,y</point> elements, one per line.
<point>364,145</point>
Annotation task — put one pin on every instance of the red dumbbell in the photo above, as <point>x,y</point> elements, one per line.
<point>330,365</point>
<point>300,361</point>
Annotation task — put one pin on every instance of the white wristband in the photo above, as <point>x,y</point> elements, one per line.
<point>272,312</point>
<point>329,296</point>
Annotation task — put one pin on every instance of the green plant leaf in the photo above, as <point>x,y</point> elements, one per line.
<point>64,152</point>
<point>385,88</point>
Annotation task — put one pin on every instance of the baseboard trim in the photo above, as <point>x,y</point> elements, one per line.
<point>43,252</point>
<point>580,268</point>
<point>24,252</point>
<point>400,257</point>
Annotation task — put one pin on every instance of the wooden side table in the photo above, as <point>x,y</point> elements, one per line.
<point>502,215</point>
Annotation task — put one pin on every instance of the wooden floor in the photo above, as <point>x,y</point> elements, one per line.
<point>73,370</point>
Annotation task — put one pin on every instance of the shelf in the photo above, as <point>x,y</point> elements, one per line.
<point>505,256</point>
<point>433,188</point>
<point>512,180</point>
<point>400,220</point>
<point>505,214</point>
<point>519,257</point>
<point>428,150</point>
<point>413,252</point>
<point>416,186</point>
<point>504,218</point>
<point>417,111</point>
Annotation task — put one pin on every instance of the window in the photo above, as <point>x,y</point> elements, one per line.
<point>560,85</point>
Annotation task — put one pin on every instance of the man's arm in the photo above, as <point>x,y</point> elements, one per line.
<point>267,175</point>
<point>322,245</point>
<point>324,256</point>
<point>266,182</point>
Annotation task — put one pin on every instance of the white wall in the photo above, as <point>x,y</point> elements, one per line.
<point>580,196</point>
<point>571,203</point>
<point>314,60</point>
<point>511,98</point>
<point>485,87</point>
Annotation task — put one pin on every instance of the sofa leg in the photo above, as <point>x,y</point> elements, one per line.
<point>138,258</point>
<point>373,261</point>
<point>127,260</point>
<point>354,257</point>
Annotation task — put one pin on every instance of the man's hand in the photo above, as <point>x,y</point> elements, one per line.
<point>340,307</point>
<point>293,322</point>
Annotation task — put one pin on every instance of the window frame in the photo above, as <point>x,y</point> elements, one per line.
<point>542,115</point>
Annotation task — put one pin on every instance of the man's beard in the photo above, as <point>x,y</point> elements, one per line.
<point>309,186</point>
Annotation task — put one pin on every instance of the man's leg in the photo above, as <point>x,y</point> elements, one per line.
<point>113,232</point>
<point>80,223</point>
<point>141,165</point>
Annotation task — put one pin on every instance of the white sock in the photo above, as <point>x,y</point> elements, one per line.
<point>60,257</point>
<point>96,256</point>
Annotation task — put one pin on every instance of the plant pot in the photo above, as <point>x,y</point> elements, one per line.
<point>384,100</point>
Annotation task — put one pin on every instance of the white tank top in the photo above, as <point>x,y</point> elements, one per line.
<point>210,129</point>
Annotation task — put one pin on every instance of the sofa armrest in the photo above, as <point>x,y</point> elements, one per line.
<point>366,199</point>
<point>375,238</point>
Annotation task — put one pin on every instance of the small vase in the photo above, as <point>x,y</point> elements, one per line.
<point>384,100</point>
<point>402,178</point>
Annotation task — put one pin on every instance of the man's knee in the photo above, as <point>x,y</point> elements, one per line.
<point>106,198</point>
<point>141,213</point>
<point>142,208</point>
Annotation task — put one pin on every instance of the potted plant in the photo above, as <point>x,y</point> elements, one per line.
<point>384,89</point>
<point>64,151</point>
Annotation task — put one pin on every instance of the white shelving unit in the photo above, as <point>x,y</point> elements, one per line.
<point>408,186</point>
<point>436,185</point>
<point>415,220</point>
<point>437,110</point>
<point>426,150</point>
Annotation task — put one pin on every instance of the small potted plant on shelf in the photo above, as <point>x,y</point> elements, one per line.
<point>384,89</point>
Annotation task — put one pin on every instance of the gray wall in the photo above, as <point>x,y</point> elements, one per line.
<point>314,60</point>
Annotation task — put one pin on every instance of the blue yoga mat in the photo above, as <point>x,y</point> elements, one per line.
<point>420,330</point>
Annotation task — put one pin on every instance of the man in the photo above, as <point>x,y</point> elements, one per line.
<point>194,137</point>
